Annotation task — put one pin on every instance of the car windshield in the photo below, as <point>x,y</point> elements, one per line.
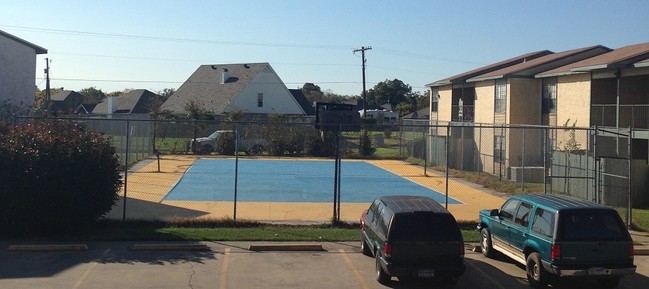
<point>592,225</point>
<point>424,226</point>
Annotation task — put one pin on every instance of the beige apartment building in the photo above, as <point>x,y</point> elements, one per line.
<point>588,87</point>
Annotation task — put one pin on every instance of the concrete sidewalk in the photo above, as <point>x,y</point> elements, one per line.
<point>641,242</point>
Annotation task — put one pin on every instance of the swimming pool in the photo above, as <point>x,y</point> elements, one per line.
<point>292,181</point>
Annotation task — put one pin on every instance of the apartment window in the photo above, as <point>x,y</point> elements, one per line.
<point>434,100</point>
<point>501,96</point>
<point>260,100</point>
<point>550,95</point>
<point>499,149</point>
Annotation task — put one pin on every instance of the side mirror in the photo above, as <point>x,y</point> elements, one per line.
<point>494,213</point>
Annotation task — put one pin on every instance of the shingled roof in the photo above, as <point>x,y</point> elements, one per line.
<point>135,101</point>
<point>530,68</point>
<point>628,56</point>
<point>204,87</point>
<point>216,88</point>
<point>489,68</point>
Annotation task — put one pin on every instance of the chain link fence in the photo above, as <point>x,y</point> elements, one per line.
<point>450,158</point>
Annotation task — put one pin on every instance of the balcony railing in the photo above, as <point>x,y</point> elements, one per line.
<point>636,116</point>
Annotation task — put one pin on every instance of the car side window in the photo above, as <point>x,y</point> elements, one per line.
<point>523,214</point>
<point>371,212</point>
<point>543,222</point>
<point>508,209</point>
<point>382,219</point>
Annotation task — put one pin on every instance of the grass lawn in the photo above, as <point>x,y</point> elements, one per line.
<point>223,230</point>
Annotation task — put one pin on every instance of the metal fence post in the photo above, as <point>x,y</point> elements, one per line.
<point>448,135</point>
<point>126,170</point>
<point>236,168</point>
<point>523,162</point>
<point>629,178</point>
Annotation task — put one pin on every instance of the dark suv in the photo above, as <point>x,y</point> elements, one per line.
<point>557,236</point>
<point>412,237</point>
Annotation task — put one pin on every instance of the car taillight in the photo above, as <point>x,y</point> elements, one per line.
<point>387,249</point>
<point>363,220</point>
<point>555,251</point>
<point>631,251</point>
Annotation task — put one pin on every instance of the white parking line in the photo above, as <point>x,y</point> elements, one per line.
<point>357,275</point>
<point>87,272</point>
<point>224,269</point>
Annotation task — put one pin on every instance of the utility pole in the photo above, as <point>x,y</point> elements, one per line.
<point>48,95</point>
<point>362,50</point>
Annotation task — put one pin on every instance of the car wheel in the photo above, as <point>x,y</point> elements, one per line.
<point>485,243</point>
<point>206,149</point>
<point>381,275</point>
<point>535,272</point>
<point>255,150</point>
<point>365,248</point>
<point>609,283</point>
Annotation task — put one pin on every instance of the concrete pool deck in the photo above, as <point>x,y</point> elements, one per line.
<point>147,186</point>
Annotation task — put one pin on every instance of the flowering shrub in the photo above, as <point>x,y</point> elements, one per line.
<point>55,175</point>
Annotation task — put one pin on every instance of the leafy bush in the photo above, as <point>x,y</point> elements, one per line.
<point>55,176</point>
<point>225,144</point>
<point>314,145</point>
<point>365,145</point>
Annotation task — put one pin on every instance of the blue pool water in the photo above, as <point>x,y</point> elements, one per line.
<point>292,181</point>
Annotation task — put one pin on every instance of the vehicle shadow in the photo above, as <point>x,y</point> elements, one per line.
<point>48,264</point>
<point>506,273</point>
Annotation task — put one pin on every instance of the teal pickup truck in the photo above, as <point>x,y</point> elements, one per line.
<point>555,236</point>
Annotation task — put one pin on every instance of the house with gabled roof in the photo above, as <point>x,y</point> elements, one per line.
<point>252,88</point>
<point>17,72</point>
<point>138,101</point>
<point>65,102</point>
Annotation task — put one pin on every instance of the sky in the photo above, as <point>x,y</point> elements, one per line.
<point>114,45</point>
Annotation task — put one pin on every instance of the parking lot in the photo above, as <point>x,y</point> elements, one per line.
<point>232,265</point>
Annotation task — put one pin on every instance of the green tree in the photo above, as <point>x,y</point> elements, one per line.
<point>312,92</point>
<point>92,95</point>
<point>422,100</point>
<point>389,91</point>
<point>404,108</point>
<point>166,93</point>
<point>40,101</point>
<point>119,92</point>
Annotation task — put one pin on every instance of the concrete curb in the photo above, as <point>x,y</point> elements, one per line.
<point>169,247</point>
<point>47,248</point>
<point>287,247</point>
<point>642,251</point>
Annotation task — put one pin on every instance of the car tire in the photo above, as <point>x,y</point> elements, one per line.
<point>365,248</point>
<point>255,150</point>
<point>381,276</point>
<point>609,283</point>
<point>206,149</point>
<point>485,243</point>
<point>536,275</point>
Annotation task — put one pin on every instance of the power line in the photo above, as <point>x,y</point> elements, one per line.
<point>172,39</point>
<point>169,81</point>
